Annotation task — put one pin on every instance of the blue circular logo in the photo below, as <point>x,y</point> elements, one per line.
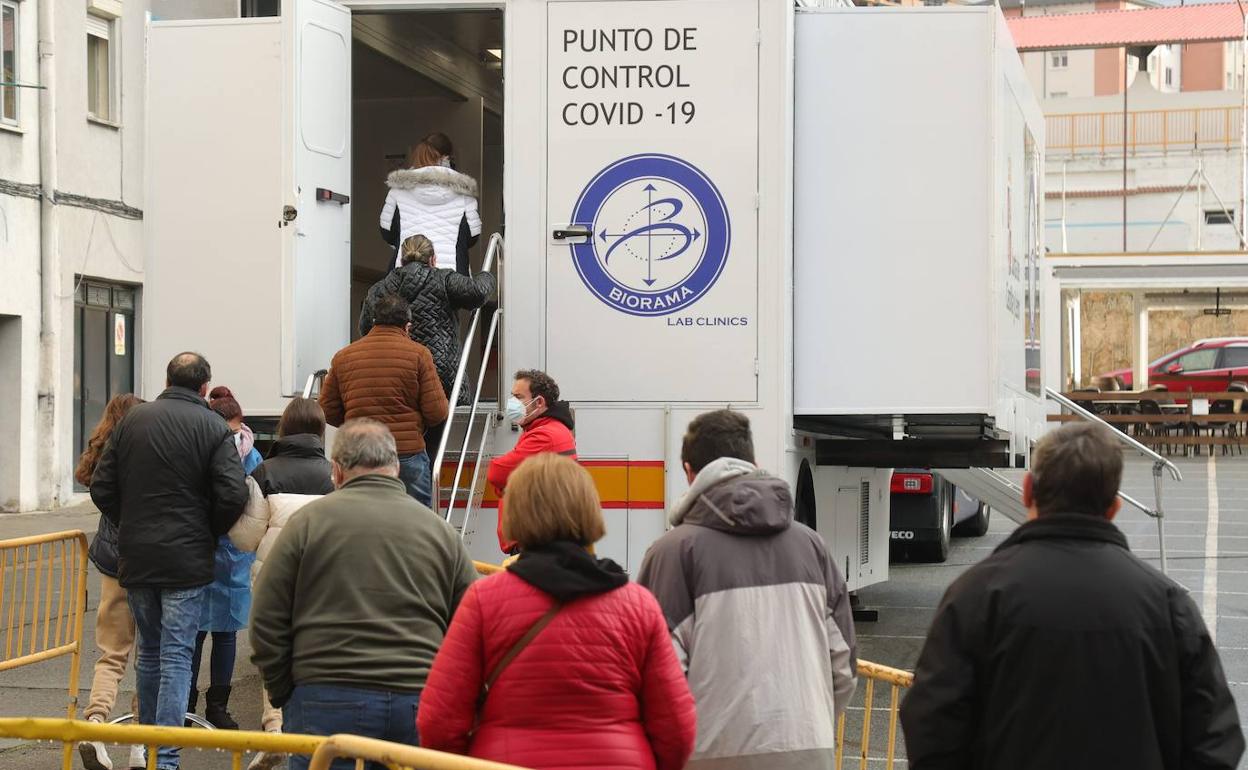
<point>660,235</point>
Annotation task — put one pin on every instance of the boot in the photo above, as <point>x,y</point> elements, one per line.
<point>192,703</point>
<point>215,702</point>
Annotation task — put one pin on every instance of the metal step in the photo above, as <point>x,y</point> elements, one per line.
<point>1000,493</point>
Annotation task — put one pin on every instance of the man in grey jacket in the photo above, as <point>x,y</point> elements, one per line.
<point>354,598</point>
<point>759,613</point>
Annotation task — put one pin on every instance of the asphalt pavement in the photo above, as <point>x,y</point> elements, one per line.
<point>1206,534</point>
<point>1206,528</point>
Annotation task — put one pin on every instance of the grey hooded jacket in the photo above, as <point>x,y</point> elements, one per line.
<point>760,618</point>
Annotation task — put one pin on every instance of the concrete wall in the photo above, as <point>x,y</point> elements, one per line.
<point>103,163</point>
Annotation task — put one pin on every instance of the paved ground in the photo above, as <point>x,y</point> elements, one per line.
<point>1205,551</point>
<point>40,690</point>
<point>1207,537</point>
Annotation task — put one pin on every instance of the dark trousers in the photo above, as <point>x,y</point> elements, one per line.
<point>326,709</point>
<point>220,660</point>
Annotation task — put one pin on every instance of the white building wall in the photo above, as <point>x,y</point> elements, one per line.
<point>1156,181</point>
<point>103,165</point>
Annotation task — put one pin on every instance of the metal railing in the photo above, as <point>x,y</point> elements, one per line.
<point>896,680</point>
<point>43,592</point>
<point>238,743</point>
<point>1159,464</point>
<point>1146,131</point>
<point>493,253</point>
<point>394,755</point>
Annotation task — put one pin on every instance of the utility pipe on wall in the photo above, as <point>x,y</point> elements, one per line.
<point>49,472</point>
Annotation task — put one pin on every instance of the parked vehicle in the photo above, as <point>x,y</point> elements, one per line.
<point>1204,366</point>
<point>926,511</point>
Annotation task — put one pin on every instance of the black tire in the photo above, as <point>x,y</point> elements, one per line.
<point>976,526</point>
<point>938,552</point>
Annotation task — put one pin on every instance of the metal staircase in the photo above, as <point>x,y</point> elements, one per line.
<point>477,416</point>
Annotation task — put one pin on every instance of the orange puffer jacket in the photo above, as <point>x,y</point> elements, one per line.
<point>389,377</point>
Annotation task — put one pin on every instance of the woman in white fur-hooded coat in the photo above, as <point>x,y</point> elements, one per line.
<point>434,200</point>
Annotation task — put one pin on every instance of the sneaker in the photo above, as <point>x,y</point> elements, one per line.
<point>94,755</point>
<point>138,758</point>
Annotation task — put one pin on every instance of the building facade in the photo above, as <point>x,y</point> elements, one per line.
<point>71,232</point>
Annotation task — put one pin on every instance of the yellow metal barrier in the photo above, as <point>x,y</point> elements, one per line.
<point>485,568</point>
<point>394,755</point>
<point>896,680</point>
<point>238,743</point>
<point>43,597</point>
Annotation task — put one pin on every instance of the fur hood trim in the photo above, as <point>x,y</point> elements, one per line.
<point>436,176</point>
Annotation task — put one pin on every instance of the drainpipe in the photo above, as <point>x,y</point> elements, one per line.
<point>46,431</point>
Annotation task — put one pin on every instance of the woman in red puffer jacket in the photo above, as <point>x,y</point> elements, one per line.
<point>598,686</point>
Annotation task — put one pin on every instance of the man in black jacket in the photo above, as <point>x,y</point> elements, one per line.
<point>1063,649</point>
<point>171,480</point>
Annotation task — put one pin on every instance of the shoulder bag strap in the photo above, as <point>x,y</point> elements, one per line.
<point>516,649</point>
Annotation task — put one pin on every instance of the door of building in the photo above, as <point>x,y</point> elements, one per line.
<point>103,353</point>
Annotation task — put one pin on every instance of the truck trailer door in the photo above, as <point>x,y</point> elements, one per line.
<point>248,118</point>
<point>652,183</point>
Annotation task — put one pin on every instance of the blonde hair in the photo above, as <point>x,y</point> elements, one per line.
<point>549,497</point>
<point>418,248</point>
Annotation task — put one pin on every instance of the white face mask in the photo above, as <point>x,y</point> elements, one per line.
<point>444,162</point>
<point>517,410</point>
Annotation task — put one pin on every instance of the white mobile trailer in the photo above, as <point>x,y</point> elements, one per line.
<point>649,186</point>
<point>918,235</point>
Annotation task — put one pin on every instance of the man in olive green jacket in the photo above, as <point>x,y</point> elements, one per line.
<point>353,601</point>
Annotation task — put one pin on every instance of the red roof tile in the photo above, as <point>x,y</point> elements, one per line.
<point>1203,23</point>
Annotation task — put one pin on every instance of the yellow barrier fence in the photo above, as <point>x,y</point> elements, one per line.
<point>869,676</point>
<point>237,743</point>
<point>42,602</point>
<point>43,597</point>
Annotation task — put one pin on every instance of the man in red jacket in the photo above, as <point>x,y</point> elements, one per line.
<point>547,426</point>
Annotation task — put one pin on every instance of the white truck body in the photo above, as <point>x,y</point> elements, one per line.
<point>663,129</point>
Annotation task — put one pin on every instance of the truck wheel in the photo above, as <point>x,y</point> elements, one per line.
<point>938,551</point>
<point>976,526</point>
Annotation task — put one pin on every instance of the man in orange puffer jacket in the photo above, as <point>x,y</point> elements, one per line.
<point>547,426</point>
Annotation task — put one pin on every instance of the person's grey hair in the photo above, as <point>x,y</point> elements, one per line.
<point>364,443</point>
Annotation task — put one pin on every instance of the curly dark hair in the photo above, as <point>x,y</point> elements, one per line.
<point>540,384</point>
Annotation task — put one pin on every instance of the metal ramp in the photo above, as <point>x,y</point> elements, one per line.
<point>990,487</point>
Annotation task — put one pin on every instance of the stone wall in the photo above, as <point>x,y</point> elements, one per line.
<point>1106,320</point>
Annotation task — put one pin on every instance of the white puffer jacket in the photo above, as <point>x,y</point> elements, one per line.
<point>432,201</point>
<point>262,521</point>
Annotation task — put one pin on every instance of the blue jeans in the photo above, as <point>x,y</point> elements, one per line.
<point>414,473</point>
<point>329,709</point>
<point>167,621</point>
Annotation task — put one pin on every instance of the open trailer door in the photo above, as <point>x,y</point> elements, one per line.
<point>248,118</point>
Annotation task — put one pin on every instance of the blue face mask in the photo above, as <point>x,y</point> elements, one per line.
<point>516,409</point>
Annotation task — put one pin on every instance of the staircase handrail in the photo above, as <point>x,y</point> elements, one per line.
<point>493,253</point>
<point>1159,464</point>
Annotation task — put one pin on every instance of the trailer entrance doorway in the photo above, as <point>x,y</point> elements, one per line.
<point>414,73</point>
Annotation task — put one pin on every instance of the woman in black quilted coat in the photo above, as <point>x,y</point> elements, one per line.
<point>436,297</point>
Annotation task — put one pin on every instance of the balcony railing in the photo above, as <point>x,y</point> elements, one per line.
<point>1148,131</point>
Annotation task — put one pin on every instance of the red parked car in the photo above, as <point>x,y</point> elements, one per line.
<point>1205,366</point>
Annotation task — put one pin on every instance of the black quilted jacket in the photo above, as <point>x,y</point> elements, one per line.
<point>436,296</point>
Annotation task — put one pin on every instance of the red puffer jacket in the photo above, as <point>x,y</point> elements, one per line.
<point>599,687</point>
<point>549,433</point>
